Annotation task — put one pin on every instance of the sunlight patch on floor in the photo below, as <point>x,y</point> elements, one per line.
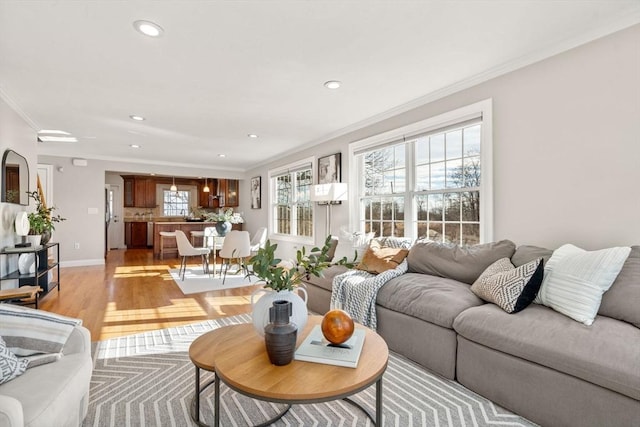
<point>139,271</point>
<point>187,307</point>
<point>218,303</point>
<point>119,322</point>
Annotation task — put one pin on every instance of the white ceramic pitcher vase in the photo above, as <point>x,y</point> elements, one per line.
<point>262,299</point>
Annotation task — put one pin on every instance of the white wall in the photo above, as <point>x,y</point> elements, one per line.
<point>16,135</point>
<point>566,147</point>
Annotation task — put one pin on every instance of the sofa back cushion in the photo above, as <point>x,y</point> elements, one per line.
<point>528,253</point>
<point>622,300</point>
<point>462,263</point>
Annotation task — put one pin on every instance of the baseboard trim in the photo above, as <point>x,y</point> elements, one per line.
<point>82,262</point>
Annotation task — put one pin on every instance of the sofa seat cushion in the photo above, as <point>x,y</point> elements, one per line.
<point>54,391</point>
<point>605,353</point>
<point>430,298</point>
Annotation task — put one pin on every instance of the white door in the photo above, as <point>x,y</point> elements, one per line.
<point>116,226</point>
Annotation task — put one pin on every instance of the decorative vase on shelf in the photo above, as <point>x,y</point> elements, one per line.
<point>280,334</point>
<point>27,263</point>
<point>223,227</point>
<point>261,304</point>
<point>46,236</point>
<point>34,239</point>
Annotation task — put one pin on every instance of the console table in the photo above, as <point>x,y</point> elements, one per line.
<point>43,266</point>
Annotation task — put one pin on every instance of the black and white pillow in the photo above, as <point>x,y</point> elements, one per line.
<point>10,365</point>
<point>510,288</point>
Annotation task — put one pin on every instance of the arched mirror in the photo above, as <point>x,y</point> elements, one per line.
<point>15,178</point>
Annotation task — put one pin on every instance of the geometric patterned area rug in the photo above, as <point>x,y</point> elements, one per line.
<point>147,379</point>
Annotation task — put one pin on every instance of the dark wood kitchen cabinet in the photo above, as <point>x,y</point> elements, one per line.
<point>228,193</point>
<point>129,188</point>
<point>135,234</point>
<point>210,199</point>
<point>145,193</point>
<point>139,192</point>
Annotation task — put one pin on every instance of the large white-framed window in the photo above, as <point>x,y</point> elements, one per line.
<point>291,209</point>
<point>431,179</point>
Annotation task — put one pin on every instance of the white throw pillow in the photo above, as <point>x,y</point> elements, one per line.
<point>575,279</point>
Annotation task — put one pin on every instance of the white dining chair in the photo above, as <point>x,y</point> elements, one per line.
<point>186,249</point>
<point>236,246</point>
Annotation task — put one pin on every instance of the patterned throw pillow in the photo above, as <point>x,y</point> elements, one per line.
<point>10,365</point>
<point>510,288</point>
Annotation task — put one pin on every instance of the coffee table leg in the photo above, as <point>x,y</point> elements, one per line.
<point>379,402</point>
<point>216,406</point>
<point>197,395</point>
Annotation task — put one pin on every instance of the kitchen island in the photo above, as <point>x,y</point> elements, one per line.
<point>170,248</point>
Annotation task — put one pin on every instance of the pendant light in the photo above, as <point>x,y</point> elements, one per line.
<point>173,186</point>
<point>206,187</point>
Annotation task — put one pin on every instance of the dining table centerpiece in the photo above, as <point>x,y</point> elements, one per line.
<point>224,220</point>
<point>283,278</point>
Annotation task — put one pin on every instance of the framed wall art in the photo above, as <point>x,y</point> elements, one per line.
<point>329,169</point>
<point>256,192</point>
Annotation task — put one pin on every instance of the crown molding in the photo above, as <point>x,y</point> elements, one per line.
<point>16,107</point>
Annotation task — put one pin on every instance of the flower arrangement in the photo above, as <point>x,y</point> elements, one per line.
<point>42,220</point>
<point>225,216</point>
<point>282,275</point>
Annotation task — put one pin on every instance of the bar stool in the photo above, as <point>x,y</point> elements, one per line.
<point>164,234</point>
<point>195,234</point>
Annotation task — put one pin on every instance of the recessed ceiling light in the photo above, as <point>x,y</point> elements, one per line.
<point>134,146</point>
<point>222,155</point>
<point>136,118</point>
<point>53,132</point>
<point>252,135</point>
<point>332,84</point>
<point>148,28</point>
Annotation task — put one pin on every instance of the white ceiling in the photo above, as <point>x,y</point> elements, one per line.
<point>224,69</point>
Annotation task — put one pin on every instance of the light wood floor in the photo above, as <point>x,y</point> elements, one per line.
<point>133,292</point>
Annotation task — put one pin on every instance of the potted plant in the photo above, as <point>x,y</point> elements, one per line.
<point>224,220</point>
<point>283,277</point>
<point>42,221</point>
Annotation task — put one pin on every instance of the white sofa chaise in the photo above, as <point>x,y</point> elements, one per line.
<point>53,394</point>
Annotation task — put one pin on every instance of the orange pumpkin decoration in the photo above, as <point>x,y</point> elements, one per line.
<point>337,326</point>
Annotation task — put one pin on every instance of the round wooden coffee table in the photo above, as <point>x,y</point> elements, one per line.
<point>239,358</point>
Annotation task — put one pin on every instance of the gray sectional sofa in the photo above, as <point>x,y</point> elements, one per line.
<point>538,363</point>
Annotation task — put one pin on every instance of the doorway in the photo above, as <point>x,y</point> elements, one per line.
<point>115,230</point>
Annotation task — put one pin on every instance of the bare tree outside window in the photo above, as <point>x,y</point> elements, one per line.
<point>445,187</point>
<point>175,203</point>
